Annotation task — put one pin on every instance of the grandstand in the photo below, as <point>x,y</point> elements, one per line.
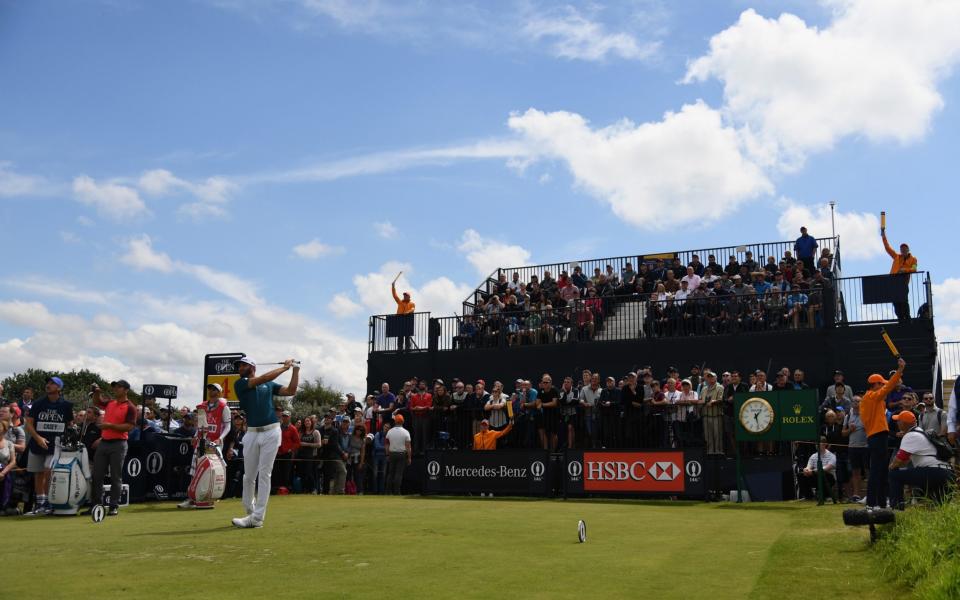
<point>843,331</point>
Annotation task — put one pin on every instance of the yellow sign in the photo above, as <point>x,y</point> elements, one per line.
<point>226,382</point>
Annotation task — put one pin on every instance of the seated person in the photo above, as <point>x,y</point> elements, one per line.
<point>809,480</point>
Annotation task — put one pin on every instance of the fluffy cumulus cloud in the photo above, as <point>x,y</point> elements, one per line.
<point>859,232</point>
<point>572,35</point>
<point>872,72</point>
<point>688,164</point>
<point>486,254</point>
<point>342,306</point>
<point>110,199</point>
<point>315,249</point>
<point>14,184</point>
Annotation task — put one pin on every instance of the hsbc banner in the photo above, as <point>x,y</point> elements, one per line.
<point>640,472</point>
<point>511,473</point>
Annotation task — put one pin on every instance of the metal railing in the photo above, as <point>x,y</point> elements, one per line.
<point>722,254</point>
<point>853,310</point>
<point>636,316</point>
<point>392,333</point>
<point>948,355</point>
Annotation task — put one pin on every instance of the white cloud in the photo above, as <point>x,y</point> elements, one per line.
<point>440,296</point>
<point>689,165</point>
<point>315,249</point>
<point>872,71</point>
<point>210,195</point>
<point>946,309</point>
<point>386,230</point>
<point>486,254</point>
<point>859,232</point>
<point>572,35</point>
<point>342,306</point>
<point>85,221</point>
<point>141,256</point>
<point>53,289</point>
<point>112,200</point>
<point>14,184</point>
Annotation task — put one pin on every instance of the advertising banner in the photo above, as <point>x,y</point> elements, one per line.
<point>769,416</point>
<point>639,472</point>
<point>218,368</point>
<point>511,473</point>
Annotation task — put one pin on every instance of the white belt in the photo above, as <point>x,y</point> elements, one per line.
<point>265,427</point>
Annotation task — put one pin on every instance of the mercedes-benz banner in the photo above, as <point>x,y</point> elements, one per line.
<point>512,473</point>
<point>639,472</point>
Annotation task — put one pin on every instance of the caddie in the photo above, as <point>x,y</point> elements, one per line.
<point>217,427</point>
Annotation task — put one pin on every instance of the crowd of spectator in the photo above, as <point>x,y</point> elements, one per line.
<point>794,291</point>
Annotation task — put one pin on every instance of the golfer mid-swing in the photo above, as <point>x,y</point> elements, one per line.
<point>262,439</point>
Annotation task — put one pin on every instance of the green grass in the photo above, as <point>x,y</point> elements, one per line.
<point>376,547</point>
<point>924,547</point>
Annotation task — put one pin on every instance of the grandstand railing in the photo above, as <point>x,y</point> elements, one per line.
<point>409,332</point>
<point>948,355</point>
<point>636,316</point>
<point>760,252</point>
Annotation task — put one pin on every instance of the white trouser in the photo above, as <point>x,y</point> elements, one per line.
<point>259,450</point>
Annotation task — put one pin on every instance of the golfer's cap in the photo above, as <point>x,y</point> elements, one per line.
<point>286,413</point>
<point>120,383</point>
<point>245,360</point>
<point>710,374</point>
<point>906,416</point>
<point>485,422</point>
<point>398,420</point>
<point>838,372</point>
<point>215,386</point>
<point>876,378</point>
<point>55,380</point>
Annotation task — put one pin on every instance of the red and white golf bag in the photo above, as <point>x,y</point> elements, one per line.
<point>209,470</point>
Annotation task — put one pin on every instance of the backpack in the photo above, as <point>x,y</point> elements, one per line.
<point>943,450</point>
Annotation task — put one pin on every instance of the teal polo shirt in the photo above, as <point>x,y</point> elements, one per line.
<point>257,402</point>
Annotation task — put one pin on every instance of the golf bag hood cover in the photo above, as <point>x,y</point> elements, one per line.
<point>209,479</point>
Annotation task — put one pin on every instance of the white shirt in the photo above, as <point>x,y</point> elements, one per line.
<point>922,452</point>
<point>693,281</point>
<point>952,412</point>
<point>681,295</point>
<point>769,388</point>
<point>829,459</point>
<point>398,438</point>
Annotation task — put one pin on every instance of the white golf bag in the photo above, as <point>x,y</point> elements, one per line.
<point>209,471</point>
<point>70,476</point>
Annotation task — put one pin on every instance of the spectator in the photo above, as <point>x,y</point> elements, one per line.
<point>333,456</point>
<point>8,460</point>
<point>495,407</point>
<point>904,264</point>
<point>289,443</point>
<point>873,413</point>
<point>735,386</point>
<point>671,284</point>
<point>474,406</point>
<point>421,408</point>
<point>797,304</point>
<point>306,466</point>
<point>932,419</point>
<point>589,407</point>
<point>48,419</point>
<point>386,403</point>
<point>711,396</point>
<point>697,266</point>
<point>610,415</point>
<point>733,267</point>
<point>828,462</point>
<point>857,452</point>
<point>549,399</point>
<point>14,433</point>
<point>356,461</point>
<point>927,471</point>
<point>806,248</point>
<point>692,279</point>
<point>26,402</point>
<point>486,439</point>
<point>798,380</point>
<point>748,263</point>
<point>568,402</point>
<point>399,455</point>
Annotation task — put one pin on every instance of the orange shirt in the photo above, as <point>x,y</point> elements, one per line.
<point>404,307</point>
<point>873,407</point>
<point>487,440</point>
<point>901,263</point>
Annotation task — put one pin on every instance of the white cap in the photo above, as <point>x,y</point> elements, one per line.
<point>246,360</point>
<point>215,386</point>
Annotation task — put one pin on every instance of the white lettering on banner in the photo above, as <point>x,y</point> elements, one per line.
<point>154,463</point>
<point>694,469</point>
<point>133,467</point>
<point>502,471</point>
<point>48,427</point>
<point>224,366</point>
<point>616,471</point>
<point>148,390</point>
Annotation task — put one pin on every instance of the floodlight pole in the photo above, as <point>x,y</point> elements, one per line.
<point>833,225</point>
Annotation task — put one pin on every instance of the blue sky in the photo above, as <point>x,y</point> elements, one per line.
<point>179,178</point>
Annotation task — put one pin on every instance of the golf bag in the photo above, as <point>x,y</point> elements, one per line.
<point>70,476</point>
<point>209,470</point>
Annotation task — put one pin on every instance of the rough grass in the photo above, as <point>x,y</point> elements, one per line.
<point>923,548</point>
<point>366,547</point>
